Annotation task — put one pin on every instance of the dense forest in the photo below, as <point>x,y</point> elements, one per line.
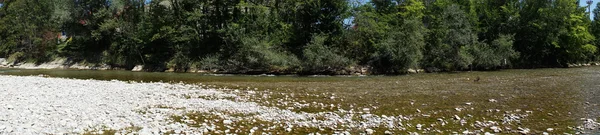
<point>301,36</point>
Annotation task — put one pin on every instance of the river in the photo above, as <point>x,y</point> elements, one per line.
<point>542,100</point>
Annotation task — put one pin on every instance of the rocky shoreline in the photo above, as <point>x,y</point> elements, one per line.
<point>56,64</point>
<point>63,63</point>
<point>43,105</point>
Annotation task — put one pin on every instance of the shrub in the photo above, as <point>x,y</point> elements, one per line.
<point>258,55</point>
<point>179,62</point>
<point>211,62</point>
<point>319,58</point>
<point>401,50</point>
<point>16,57</point>
<point>496,54</point>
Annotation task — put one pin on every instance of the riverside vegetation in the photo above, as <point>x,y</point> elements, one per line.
<point>300,36</point>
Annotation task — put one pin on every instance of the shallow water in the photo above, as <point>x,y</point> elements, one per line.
<point>552,98</point>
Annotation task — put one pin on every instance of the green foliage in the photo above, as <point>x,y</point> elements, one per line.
<point>257,54</point>
<point>319,58</point>
<point>16,57</point>
<point>497,54</point>
<point>210,63</point>
<point>401,50</point>
<point>259,36</point>
<point>25,29</point>
<point>369,29</point>
<point>450,35</point>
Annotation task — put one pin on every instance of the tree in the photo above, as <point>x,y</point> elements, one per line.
<point>595,28</point>
<point>552,33</point>
<point>402,48</point>
<point>449,36</point>
<point>25,32</point>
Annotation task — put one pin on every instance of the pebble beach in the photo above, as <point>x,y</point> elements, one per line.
<point>44,105</point>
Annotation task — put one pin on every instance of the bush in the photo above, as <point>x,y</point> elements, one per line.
<point>211,62</point>
<point>401,50</point>
<point>258,55</point>
<point>496,54</point>
<point>179,62</point>
<point>319,58</point>
<point>16,57</point>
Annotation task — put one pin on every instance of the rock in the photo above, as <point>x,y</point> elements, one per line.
<point>523,130</point>
<point>227,122</point>
<point>8,130</point>
<point>545,133</point>
<point>456,117</point>
<point>550,129</point>
<point>3,62</point>
<point>488,133</point>
<point>138,68</point>
<point>366,110</point>
<point>10,107</point>
<point>468,103</point>
<point>410,70</point>
<point>388,132</point>
<point>495,129</point>
<point>492,100</point>
<point>369,131</point>
<point>288,129</point>
<point>419,126</point>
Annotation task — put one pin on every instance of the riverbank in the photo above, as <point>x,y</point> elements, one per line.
<point>40,105</point>
<point>63,63</point>
<point>522,101</point>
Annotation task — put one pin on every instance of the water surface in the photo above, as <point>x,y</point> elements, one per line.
<point>547,98</point>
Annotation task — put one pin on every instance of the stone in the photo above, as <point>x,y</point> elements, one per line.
<point>456,117</point>
<point>3,62</point>
<point>227,122</point>
<point>388,132</point>
<point>550,129</point>
<point>419,126</point>
<point>495,129</point>
<point>369,131</point>
<point>366,109</point>
<point>138,68</point>
<point>523,130</point>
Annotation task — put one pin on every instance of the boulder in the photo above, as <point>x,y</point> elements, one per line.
<point>138,68</point>
<point>3,62</point>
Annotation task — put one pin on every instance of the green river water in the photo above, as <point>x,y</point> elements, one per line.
<point>551,98</point>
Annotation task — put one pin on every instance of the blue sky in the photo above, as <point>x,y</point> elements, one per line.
<point>582,3</point>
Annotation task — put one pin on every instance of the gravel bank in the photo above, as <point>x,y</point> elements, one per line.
<point>40,105</point>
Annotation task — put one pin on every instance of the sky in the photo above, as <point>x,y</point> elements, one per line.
<point>593,6</point>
